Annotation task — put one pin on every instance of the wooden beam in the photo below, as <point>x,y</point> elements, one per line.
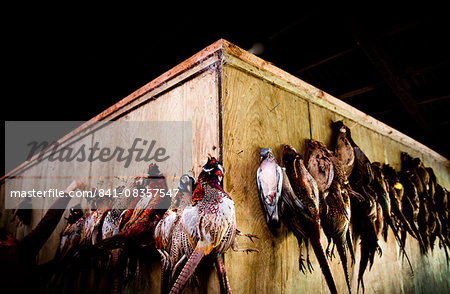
<point>394,81</point>
<point>431,100</point>
<point>360,91</point>
<point>350,50</point>
<point>403,77</point>
<point>299,71</point>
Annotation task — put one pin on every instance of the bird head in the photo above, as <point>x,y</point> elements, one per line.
<point>338,126</point>
<point>265,153</point>
<point>186,183</point>
<point>407,161</point>
<point>75,213</point>
<point>417,162</point>
<point>186,186</point>
<point>312,144</point>
<point>316,145</point>
<point>214,168</point>
<point>289,154</point>
<point>153,170</point>
<point>405,157</point>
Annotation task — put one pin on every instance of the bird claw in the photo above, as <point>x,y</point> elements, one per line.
<point>379,251</point>
<point>250,236</point>
<point>329,254</point>
<point>310,267</point>
<point>302,267</point>
<point>249,250</point>
<point>246,250</point>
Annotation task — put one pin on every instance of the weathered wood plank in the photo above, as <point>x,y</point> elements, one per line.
<point>248,125</point>
<point>256,115</point>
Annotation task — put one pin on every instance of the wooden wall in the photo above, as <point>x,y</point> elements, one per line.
<point>261,110</point>
<point>238,104</point>
<point>195,99</point>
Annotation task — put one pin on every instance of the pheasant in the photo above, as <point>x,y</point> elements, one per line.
<point>167,232</point>
<point>380,186</point>
<point>207,225</point>
<point>319,164</point>
<point>437,232</point>
<point>364,214</point>
<point>335,206</point>
<point>137,227</point>
<point>343,150</point>
<point>300,208</point>
<point>383,198</point>
<point>410,207</point>
<point>75,213</point>
<point>336,222</point>
<point>395,189</point>
<point>132,230</point>
<point>321,168</point>
<point>419,177</point>
<point>441,200</point>
<point>269,180</point>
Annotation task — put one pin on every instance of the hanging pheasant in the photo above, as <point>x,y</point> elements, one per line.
<point>366,216</point>
<point>335,206</point>
<point>208,224</point>
<point>168,234</point>
<point>343,149</point>
<point>300,208</point>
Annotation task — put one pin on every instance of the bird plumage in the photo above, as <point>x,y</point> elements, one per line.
<point>335,207</point>
<point>300,208</point>
<point>269,180</point>
<point>208,225</point>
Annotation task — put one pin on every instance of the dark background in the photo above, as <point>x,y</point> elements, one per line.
<point>71,63</point>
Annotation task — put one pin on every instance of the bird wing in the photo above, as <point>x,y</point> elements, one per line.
<point>258,183</point>
<point>279,183</point>
<point>330,174</point>
<point>289,198</point>
<point>163,230</point>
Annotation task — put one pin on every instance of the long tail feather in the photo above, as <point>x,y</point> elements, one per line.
<point>323,261</point>
<point>188,270</point>
<point>365,256</point>
<point>224,283</point>
<point>350,245</point>
<point>399,240</point>
<point>341,248</point>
